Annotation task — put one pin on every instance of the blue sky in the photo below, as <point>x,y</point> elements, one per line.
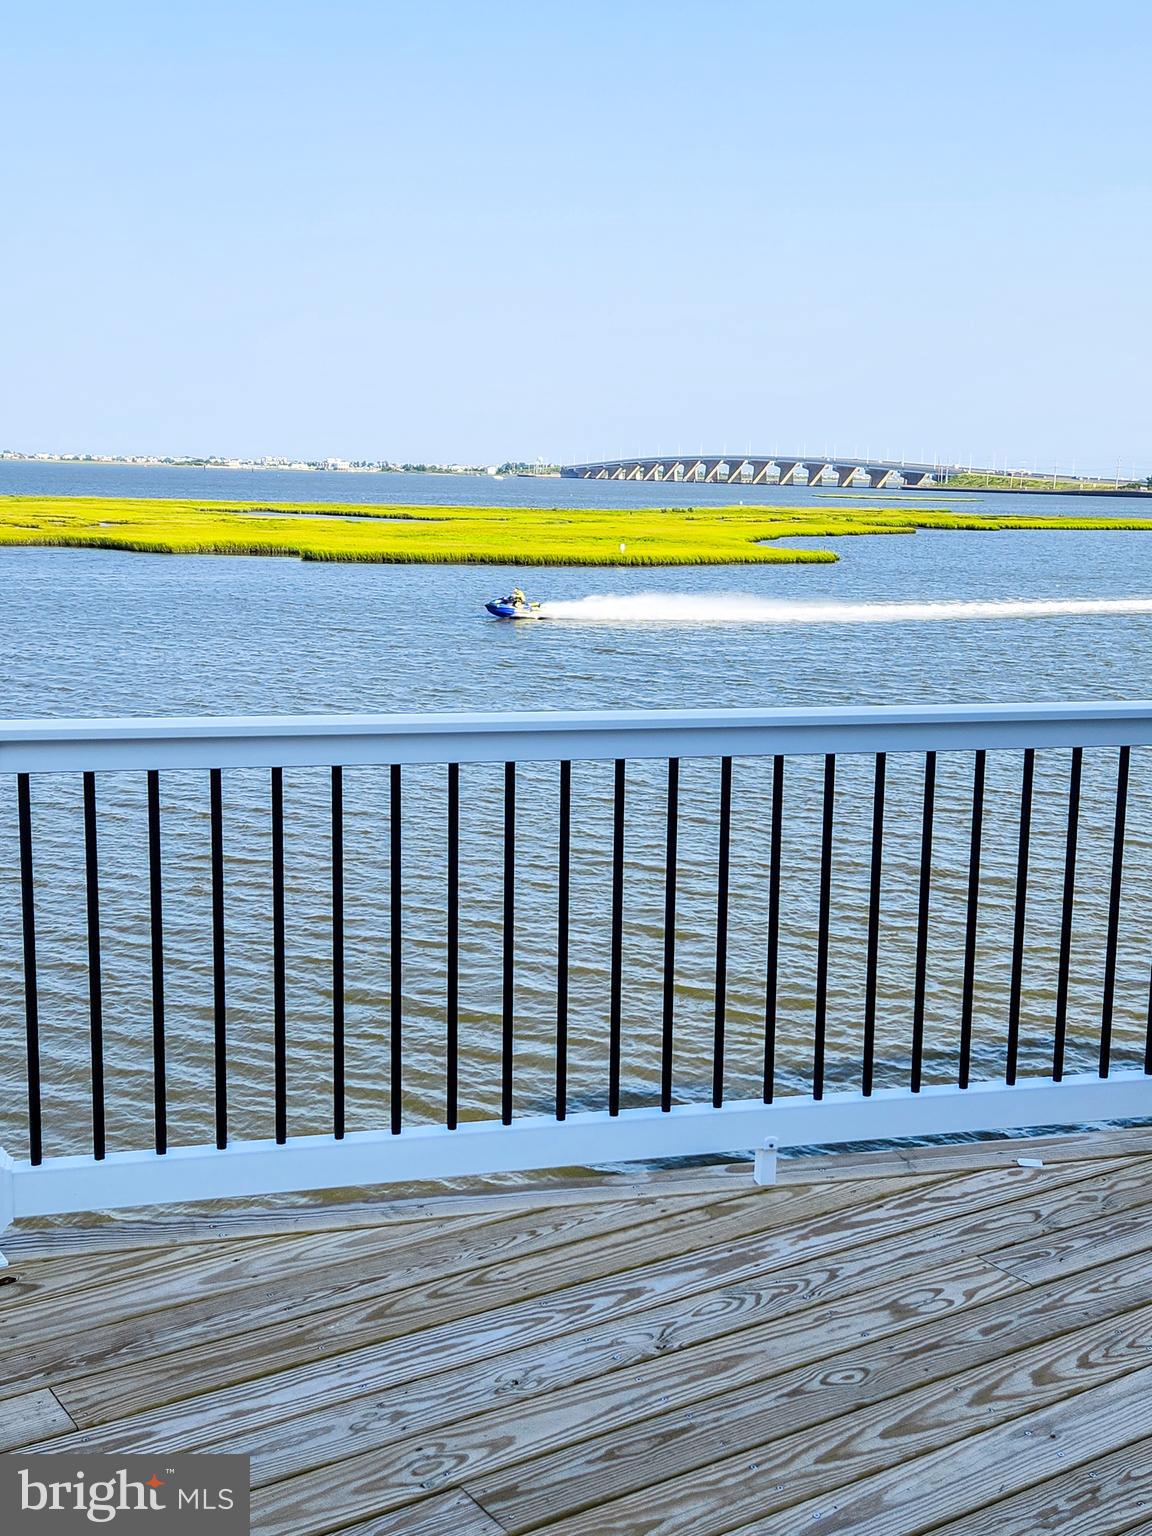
<point>471,231</point>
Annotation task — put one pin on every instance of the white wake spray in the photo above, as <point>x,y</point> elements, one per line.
<point>737,608</point>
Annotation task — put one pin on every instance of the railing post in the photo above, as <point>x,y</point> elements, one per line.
<point>764,1171</point>
<point>7,1197</point>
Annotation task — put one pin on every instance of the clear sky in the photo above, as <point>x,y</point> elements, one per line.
<point>481,229</point>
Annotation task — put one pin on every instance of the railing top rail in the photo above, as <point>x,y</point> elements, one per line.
<point>43,746</point>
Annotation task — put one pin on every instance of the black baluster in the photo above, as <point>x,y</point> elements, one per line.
<point>1068,905</point>
<point>219,984</point>
<point>1016,985</point>
<point>338,982</point>
<point>771,989</point>
<point>821,1019</point>
<point>1112,942</point>
<point>279,992</point>
<point>396,954</point>
<point>972,918</point>
<point>95,983</point>
<point>923,909</point>
<point>668,1022</point>
<point>869,1052</point>
<point>617,961</point>
<point>156,934</point>
<point>452,1043</point>
<point>31,990</point>
<point>508,1008</point>
<point>723,866</point>
<point>563,913</point>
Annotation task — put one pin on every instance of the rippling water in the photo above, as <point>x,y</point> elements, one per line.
<point>946,616</point>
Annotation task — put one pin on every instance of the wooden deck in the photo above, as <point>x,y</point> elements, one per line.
<point>942,1342</point>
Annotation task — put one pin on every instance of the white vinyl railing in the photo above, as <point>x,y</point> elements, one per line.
<point>161,1173</point>
<point>283,741</point>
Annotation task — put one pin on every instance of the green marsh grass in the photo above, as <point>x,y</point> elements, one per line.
<point>520,536</point>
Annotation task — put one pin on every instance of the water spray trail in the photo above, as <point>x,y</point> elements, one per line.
<point>736,608</point>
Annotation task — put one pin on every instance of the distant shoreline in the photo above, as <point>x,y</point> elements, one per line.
<point>947,488</point>
<point>246,468</point>
<point>1016,490</point>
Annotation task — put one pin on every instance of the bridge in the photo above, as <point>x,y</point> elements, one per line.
<point>763,469</point>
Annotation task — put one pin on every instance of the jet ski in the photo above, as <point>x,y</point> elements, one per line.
<point>514,606</point>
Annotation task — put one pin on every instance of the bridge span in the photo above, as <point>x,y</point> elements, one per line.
<point>763,469</point>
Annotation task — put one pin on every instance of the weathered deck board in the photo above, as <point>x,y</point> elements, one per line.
<point>139,1380</point>
<point>775,1421</point>
<point>397,1284</point>
<point>345,1422</point>
<point>816,1462</point>
<point>965,1226</point>
<point>962,1478</point>
<point>399,1469</point>
<point>463,1335</point>
<point>1094,1242</point>
<point>305,1274</point>
<point>30,1417</point>
<point>911,1341</point>
<point>357,1399</point>
<point>1113,1496</point>
<point>452,1514</point>
<point>120,1290</point>
<point>512,1385</point>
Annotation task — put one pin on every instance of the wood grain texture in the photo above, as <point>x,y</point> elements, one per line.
<point>1128,1141</point>
<point>895,1440</point>
<point>629,1385</point>
<point>594,1329</point>
<point>1105,1497</point>
<point>31,1314</point>
<point>130,1380</point>
<point>593,1309</point>
<point>1118,1233</point>
<point>667,1449</point>
<point>871,1275</point>
<point>962,1350</point>
<point>964,1221</point>
<point>390,1474</point>
<point>395,1278</point>
<point>449,1514</point>
<point>961,1479</point>
<point>32,1416</point>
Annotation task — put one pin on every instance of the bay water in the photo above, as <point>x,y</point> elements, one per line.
<point>929,617</point>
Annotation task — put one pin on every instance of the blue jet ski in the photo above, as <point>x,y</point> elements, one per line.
<point>514,606</point>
